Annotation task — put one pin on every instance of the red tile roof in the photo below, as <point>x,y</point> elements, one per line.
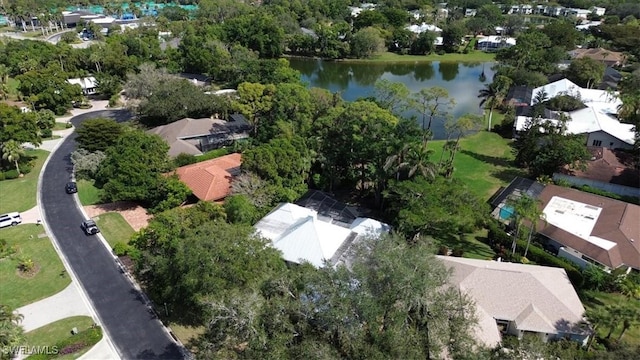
<point>211,180</point>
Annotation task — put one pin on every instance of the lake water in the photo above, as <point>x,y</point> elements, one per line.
<point>356,80</point>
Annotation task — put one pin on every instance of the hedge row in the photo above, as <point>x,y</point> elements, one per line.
<point>13,174</point>
<point>497,237</point>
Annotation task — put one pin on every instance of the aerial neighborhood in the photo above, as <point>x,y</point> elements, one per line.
<point>231,179</point>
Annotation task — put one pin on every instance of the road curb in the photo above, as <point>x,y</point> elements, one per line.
<point>63,258</point>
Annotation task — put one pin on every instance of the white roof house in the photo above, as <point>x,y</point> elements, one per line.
<point>87,84</point>
<point>302,236</point>
<point>419,29</point>
<point>603,130</point>
<point>516,298</point>
<point>601,100</point>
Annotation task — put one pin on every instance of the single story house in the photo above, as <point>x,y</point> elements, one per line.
<point>494,43</point>
<point>197,136</point>
<point>89,85</point>
<point>608,57</point>
<point>601,129</point>
<point>518,299</point>
<point>305,235</point>
<point>582,227</point>
<point>602,100</point>
<point>210,180</point>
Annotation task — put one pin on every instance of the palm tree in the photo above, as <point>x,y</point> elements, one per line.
<point>522,208</point>
<point>630,318</point>
<point>12,151</point>
<point>412,159</point>
<point>493,94</point>
<point>10,330</point>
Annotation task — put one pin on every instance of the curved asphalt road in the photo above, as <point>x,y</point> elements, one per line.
<point>134,330</point>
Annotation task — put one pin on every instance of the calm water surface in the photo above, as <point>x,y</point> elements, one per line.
<point>356,80</point>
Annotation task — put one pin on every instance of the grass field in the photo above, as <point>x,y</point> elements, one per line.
<point>51,333</point>
<point>20,194</point>
<point>51,277</point>
<point>87,193</point>
<point>591,299</point>
<point>471,57</point>
<point>114,228</point>
<point>484,162</point>
<point>59,126</point>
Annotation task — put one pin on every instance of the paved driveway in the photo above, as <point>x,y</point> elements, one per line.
<point>134,330</point>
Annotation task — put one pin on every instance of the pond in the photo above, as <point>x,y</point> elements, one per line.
<point>356,79</point>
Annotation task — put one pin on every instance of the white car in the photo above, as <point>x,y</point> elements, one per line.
<point>10,219</point>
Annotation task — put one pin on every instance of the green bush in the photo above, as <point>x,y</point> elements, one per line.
<point>11,174</point>
<point>184,159</point>
<point>213,154</point>
<point>68,125</point>
<point>46,133</point>
<point>1,175</point>
<point>120,248</point>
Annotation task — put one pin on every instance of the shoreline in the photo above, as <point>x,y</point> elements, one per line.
<point>390,58</point>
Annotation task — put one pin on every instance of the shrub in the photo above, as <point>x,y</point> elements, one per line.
<point>11,174</point>
<point>120,248</point>
<point>443,250</point>
<point>457,252</point>
<point>114,100</point>
<point>46,133</point>
<point>184,159</point>
<point>1,175</point>
<point>5,249</point>
<point>26,265</point>
<point>68,125</point>
<point>440,52</point>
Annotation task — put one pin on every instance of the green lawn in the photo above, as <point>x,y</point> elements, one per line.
<point>188,335</point>
<point>114,228</point>
<point>591,299</point>
<point>470,243</point>
<point>472,57</point>
<point>484,162</point>
<point>88,194</point>
<point>20,194</point>
<point>12,85</point>
<point>51,333</point>
<point>51,277</point>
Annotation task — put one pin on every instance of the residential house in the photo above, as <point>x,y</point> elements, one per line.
<point>210,180</point>
<point>608,170</point>
<point>601,129</point>
<point>494,43</point>
<point>355,11</point>
<point>318,237</point>
<point>519,299</point>
<point>419,29</point>
<point>586,25</point>
<point>600,11</point>
<point>608,57</point>
<point>470,12</point>
<point>197,136</point>
<point>582,227</point>
<point>89,85</point>
<point>601,100</point>
<point>578,13</point>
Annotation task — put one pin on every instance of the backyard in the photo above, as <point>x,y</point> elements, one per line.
<point>484,162</point>
<point>20,194</point>
<point>592,299</point>
<point>48,276</point>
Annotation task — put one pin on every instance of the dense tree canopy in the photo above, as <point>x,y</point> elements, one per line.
<point>98,134</point>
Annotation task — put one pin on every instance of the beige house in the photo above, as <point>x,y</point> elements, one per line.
<point>518,299</point>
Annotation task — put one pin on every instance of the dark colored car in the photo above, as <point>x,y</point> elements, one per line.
<point>89,227</point>
<point>71,187</point>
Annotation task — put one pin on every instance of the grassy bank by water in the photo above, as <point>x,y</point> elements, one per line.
<point>472,57</point>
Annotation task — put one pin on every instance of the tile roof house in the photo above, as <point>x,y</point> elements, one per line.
<point>197,136</point>
<point>302,235</point>
<point>591,228</point>
<point>210,180</point>
<point>609,167</point>
<point>584,228</point>
<point>608,57</point>
<point>516,299</point>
